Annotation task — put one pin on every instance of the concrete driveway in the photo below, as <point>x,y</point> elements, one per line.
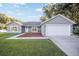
<point>68,44</point>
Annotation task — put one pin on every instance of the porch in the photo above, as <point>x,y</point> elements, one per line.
<point>31,29</point>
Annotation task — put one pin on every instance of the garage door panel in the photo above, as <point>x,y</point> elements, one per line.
<point>57,29</point>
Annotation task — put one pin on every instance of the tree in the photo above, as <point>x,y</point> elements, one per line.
<point>43,18</point>
<point>70,10</point>
<point>48,10</point>
<point>5,19</point>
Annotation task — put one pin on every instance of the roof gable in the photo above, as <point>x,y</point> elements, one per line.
<point>14,23</point>
<point>59,19</point>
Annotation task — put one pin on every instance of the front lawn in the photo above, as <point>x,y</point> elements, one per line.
<point>28,47</point>
<point>6,35</point>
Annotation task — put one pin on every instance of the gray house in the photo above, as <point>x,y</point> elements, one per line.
<point>15,27</point>
<point>57,25</point>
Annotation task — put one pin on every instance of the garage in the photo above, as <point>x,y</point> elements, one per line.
<point>58,25</point>
<point>57,29</point>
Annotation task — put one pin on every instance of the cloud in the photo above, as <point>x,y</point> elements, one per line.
<point>22,3</point>
<point>34,16</point>
<point>39,9</point>
<point>19,13</point>
<point>19,3</point>
<point>9,11</point>
<point>16,5</point>
<point>1,5</point>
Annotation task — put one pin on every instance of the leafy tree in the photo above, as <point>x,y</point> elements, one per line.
<point>5,19</point>
<point>70,10</point>
<point>43,18</point>
<point>49,10</point>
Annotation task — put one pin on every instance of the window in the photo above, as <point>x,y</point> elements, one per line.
<point>34,29</point>
<point>14,28</point>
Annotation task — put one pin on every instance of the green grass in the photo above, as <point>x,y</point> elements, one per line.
<point>28,47</point>
<point>6,35</point>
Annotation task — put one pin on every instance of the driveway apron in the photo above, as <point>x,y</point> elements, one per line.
<point>68,44</point>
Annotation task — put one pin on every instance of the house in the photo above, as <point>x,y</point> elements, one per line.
<point>57,25</point>
<point>31,27</point>
<point>16,27</point>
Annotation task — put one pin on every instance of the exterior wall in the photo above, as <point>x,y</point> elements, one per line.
<point>71,32</point>
<point>58,29</point>
<point>43,29</point>
<point>38,29</point>
<point>29,29</point>
<point>10,30</point>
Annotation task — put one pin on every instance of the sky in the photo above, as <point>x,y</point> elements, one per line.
<point>27,12</point>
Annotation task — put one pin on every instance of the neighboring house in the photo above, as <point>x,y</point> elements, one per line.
<point>14,27</point>
<point>57,25</point>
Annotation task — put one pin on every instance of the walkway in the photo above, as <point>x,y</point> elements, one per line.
<point>28,36</point>
<point>31,35</point>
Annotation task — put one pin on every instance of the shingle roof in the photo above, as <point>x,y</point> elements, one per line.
<point>31,23</point>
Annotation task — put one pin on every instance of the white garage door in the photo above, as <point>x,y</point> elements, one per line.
<point>57,29</point>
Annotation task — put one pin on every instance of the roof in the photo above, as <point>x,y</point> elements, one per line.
<point>14,22</point>
<point>58,16</point>
<point>26,23</point>
<point>31,23</point>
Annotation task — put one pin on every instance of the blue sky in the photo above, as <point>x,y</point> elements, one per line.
<point>24,12</point>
